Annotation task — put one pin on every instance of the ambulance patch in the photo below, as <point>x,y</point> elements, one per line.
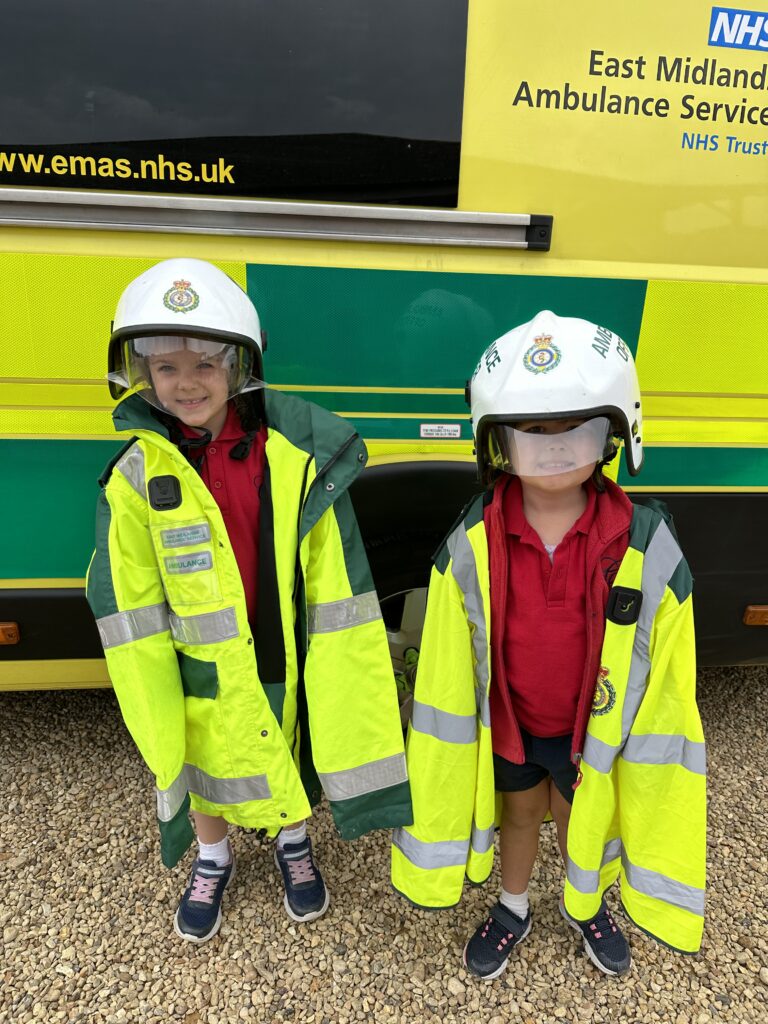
<point>542,356</point>
<point>181,298</point>
<point>200,562</point>
<point>605,694</point>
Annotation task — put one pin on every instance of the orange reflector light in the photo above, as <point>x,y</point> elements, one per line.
<point>756,615</point>
<point>9,633</point>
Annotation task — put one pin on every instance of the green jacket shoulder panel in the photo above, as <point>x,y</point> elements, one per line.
<point>470,516</point>
<point>646,520</point>
<point>133,413</point>
<point>338,451</point>
<point>315,430</point>
<point>99,589</point>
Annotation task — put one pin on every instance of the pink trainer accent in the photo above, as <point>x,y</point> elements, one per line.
<point>203,889</point>
<point>301,870</point>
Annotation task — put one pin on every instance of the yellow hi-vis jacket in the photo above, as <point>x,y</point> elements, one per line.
<point>237,724</point>
<point>640,811</point>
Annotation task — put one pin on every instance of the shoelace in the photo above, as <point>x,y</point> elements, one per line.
<point>603,923</point>
<point>499,935</point>
<point>301,870</point>
<point>203,888</point>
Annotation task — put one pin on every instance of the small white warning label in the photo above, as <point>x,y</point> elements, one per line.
<point>440,430</point>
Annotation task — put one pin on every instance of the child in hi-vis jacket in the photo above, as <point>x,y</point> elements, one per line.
<point>233,596</point>
<point>557,669</point>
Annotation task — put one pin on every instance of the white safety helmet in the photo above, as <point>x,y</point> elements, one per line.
<point>184,304</point>
<point>556,367</point>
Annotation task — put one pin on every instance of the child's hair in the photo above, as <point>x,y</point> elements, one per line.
<point>250,409</point>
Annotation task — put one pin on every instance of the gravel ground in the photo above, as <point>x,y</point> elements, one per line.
<point>86,907</point>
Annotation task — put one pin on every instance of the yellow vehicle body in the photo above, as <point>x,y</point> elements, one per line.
<point>638,136</point>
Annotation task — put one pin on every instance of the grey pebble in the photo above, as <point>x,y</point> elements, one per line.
<point>86,907</point>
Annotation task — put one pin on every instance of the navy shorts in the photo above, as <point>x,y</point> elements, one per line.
<point>544,757</point>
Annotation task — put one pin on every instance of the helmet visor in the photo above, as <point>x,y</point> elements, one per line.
<point>150,365</point>
<point>526,453</point>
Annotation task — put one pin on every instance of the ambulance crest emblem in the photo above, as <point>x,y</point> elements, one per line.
<point>542,356</point>
<point>605,694</point>
<point>181,298</point>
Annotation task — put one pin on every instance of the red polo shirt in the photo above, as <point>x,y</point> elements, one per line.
<point>235,485</point>
<point>545,634</point>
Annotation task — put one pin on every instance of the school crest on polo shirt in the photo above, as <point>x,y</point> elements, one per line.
<point>543,355</point>
<point>181,298</point>
<point>605,693</point>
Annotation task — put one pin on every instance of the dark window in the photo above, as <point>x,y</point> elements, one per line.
<point>349,100</point>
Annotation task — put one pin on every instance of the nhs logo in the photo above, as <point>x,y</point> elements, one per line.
<point>738,29</point>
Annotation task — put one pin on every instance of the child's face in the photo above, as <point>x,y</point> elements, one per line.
<point>192,387</point>
<point>561,458</point>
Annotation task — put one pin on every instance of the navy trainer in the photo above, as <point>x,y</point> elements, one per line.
<point>604,941</point>
<point>199,915</point>
<point>487,952</point>
<point>306,897</point>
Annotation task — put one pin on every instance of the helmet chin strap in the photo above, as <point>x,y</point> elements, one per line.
<point>243,447</point>
<point>188,445</point>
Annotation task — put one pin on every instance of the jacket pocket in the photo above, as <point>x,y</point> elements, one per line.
<point>198,678</point>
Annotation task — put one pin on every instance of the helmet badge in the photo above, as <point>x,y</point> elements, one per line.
<point>542,356</point>
<point>181,298</point>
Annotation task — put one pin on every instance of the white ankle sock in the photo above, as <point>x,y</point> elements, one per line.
<point>516,902</point>
<point>217,852</point>
<point>294,835</point>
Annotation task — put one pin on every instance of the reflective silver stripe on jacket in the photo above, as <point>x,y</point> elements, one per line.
<point>588,882</point>
<point>659,563</point>
<point>482,838</point>
<point>332,616</point>
<point>125,627</point>
<point>444,725</point>
<point>131,465</point>
<point>367,778</point>
<point>170,800</point>
<point>643,880</point>
<point>465,574</point>
<point>649,749</point>
<point>485,711</point>
<point>214,790</point>
<point>661,887</point>
<point>451,853</point>
<point>208,628</point>
<point>663,749</point>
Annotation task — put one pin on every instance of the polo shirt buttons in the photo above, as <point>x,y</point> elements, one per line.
<point>211,451</point>
<point>217,484</point>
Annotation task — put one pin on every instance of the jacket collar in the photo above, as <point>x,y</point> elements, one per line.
<point>330,439</point>
<point>338,451</point>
